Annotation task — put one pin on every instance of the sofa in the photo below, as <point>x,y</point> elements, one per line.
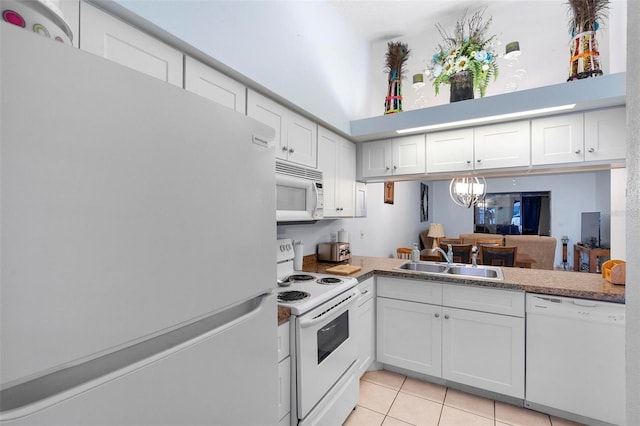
<point>542,249</point>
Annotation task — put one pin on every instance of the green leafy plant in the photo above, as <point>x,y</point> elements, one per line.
<point>467,49</point>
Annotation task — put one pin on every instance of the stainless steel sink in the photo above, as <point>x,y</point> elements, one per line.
<point>424,267</point>
<point>476,271</point>
<point>490,272</point>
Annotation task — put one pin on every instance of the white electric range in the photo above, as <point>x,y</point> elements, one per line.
<point>302,291</point>
<point>324,383</point>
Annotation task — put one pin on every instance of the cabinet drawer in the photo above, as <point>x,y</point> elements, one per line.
<point>283,341</point>
<point>505,302</point>
<point>412,290</point>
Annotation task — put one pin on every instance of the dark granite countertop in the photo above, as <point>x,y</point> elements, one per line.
<point>557,283</point>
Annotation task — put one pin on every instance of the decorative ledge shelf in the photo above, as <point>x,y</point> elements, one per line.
<point>590,93</point>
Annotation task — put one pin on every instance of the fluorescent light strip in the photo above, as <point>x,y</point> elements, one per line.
<point>487,119</point>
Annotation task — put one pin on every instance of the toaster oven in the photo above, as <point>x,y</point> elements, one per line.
<point>333,252</point>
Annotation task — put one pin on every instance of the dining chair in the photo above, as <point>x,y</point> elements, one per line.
<point>461,252</point>
<point>487,241</point>
<point>403,252</point>
<point>499,256</point>
<point>449,241</point>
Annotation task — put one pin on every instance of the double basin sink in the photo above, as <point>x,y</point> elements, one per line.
<point>454,269</point>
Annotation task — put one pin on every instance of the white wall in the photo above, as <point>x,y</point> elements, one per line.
<point>386,227</point>
<point>303,51</point>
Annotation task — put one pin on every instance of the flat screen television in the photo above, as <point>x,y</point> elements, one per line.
<point>514,213</point>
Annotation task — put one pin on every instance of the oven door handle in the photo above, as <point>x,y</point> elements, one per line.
<point>331,313</point>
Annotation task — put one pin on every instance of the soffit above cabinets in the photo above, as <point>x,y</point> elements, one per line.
<point>587,94</point>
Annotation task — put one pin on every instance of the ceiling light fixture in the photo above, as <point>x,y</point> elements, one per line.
<point>467,191</point>
<point>491,118</point>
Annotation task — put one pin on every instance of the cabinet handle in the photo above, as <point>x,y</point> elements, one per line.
<point>437,315</point>
<point>592,150</point>
<point>284,149</point>
<point>386,168</point>
<point>478,161</point>
<point>290,150</point>
<point>446,316</point>
<point>578,151</point>
<point>468,161</point>
<point>395,167</point>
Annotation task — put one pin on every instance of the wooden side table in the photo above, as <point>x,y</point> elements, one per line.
<point>593,253</point>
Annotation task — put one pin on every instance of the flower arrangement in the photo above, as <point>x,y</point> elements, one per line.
<point>466,50</point>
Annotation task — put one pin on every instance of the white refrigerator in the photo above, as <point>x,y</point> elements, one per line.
<point>136,226</point>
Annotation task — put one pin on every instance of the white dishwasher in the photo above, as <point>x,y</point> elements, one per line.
<point>575,357</point>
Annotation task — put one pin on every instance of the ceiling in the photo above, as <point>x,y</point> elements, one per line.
<point>380,20</point>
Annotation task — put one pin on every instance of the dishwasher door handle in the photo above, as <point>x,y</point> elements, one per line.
<point>584,303</point>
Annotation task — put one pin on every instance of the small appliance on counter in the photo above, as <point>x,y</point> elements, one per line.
<point>334,252</point>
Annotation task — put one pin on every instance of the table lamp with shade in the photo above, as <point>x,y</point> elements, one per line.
<point>436,231</point>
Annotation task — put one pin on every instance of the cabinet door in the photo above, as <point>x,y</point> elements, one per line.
<point>284,387</point>
<point>328,152</point>
<point>409,335</point>
<point>502,145</point>
<point>211,84</point>
<point>450,151</point>
<point>273,115</point>
<point>376,158</point>
<point>366,326</point>
<point>483,350</point>
<point>556,140</point>
<point>605,134</point>
<point>302,140</point>
<point>408,155</point>
<point>111,38</point>
<point>346,178</point>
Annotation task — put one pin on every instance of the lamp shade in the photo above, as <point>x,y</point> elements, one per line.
<point>467,191</point>
<point>436,230</point>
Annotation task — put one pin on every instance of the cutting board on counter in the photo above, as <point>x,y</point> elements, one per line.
<point>343,269</point>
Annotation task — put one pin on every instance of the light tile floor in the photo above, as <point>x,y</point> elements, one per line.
<point>391,399</point>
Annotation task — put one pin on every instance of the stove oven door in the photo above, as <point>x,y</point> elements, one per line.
<point>326,348</point>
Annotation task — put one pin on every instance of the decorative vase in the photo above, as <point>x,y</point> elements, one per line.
<point>585,58</point>
<point>393,101</point>
<point>461,86</point>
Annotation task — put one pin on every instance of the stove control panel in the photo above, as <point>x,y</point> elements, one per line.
<point>284,250</point>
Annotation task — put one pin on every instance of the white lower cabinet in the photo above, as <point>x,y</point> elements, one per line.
<point>418,332</point>
<point>366,325</point>
<point>284,374</point>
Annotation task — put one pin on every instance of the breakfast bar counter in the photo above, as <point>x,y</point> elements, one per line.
<point>555,283</point>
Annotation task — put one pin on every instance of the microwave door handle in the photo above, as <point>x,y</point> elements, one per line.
<point>315,198</point>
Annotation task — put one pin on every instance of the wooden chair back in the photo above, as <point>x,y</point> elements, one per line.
<point>403,253</point>
<point>449,241</point>
<point>499,256</point>
<point>461,252</point>
<point>494,241</point>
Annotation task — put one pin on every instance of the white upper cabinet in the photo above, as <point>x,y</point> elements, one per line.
<point>211,84</point>
<point>393,157</point>
<point>558,139</point>
<point>337,161</point>
<point>502,145</point>
<point>450,151</point>
<point>487,147</point>
<point>113,39</point>
<point>605,134</point>
<point>296,137</point>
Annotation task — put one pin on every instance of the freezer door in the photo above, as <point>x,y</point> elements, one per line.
<point>224,376</point>
<point>127,206</point>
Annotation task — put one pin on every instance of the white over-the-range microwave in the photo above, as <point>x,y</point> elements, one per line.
<point>299,193</point>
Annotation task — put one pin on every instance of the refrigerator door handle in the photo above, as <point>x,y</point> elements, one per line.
<point>39,393</point>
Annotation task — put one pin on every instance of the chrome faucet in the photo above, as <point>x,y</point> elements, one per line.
<point>444,254</point>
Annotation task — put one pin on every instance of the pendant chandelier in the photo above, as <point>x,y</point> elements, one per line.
<point>467,191</point>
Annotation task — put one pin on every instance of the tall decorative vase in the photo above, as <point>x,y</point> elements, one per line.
<point>461,86</point>
<point>393,101</point>
<point>585,57</point>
